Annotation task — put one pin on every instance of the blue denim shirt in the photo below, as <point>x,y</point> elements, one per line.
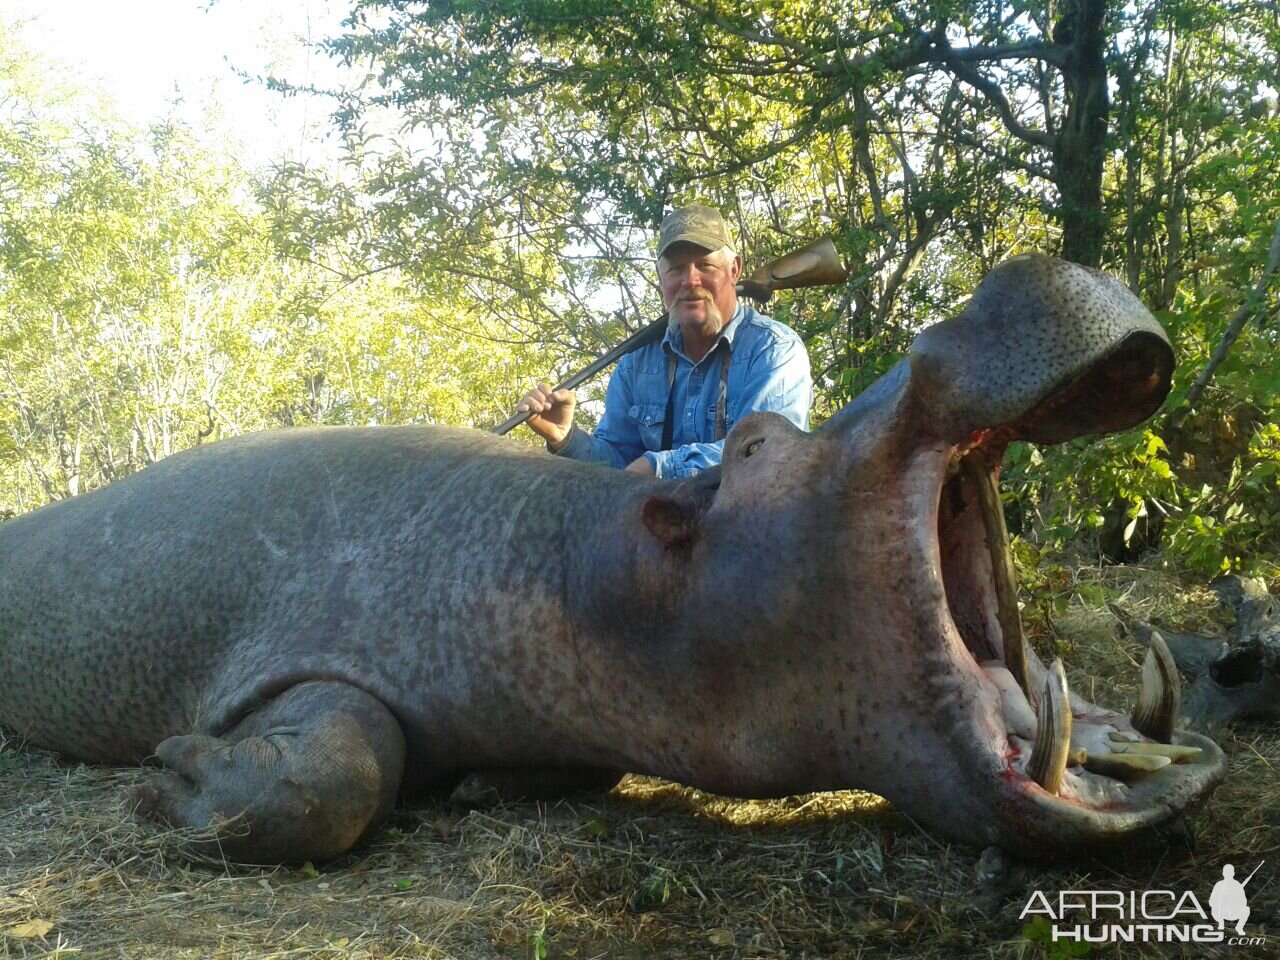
<point>768,370</point>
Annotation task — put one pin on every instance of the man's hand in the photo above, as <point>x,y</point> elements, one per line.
<point>553,413</point>
<point>642,465</point>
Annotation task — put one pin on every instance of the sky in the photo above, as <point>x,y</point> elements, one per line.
<point>162,58</point>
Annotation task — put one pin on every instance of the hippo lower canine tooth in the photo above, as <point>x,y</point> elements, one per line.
<point>1124,766</point>
<point>1048,762</point>
<point>1161,693</point>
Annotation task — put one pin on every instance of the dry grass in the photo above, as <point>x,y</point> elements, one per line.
<point>652,870</point>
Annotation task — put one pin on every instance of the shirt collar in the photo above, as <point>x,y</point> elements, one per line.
<point>673,339</point>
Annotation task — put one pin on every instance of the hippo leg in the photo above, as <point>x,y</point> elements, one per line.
<point>301,778</point>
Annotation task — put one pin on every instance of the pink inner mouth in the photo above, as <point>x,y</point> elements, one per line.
<point>1100,772</point>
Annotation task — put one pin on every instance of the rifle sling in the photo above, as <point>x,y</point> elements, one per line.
<point>722,396</point>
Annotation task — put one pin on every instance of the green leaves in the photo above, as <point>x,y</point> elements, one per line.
<point>506,164</point>
<point>154,296</point>
<point>1040,930</point>
<point>654,891</point>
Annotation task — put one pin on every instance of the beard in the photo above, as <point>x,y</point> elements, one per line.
<point>710,323</point>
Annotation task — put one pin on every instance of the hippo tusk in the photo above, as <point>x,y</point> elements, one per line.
<point>1124,766</point>
<point>1053,732</point>
<point>980,476</point>
<point>1174,752</point>
<point>1161,693</point>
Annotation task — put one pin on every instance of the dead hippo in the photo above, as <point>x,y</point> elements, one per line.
<point>300,624</point>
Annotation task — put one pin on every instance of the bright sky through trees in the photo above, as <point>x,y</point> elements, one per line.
<point>159,58</point>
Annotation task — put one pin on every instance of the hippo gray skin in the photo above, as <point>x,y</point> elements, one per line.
<point>300,624</point>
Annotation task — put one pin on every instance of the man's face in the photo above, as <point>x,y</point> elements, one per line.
<point>699,287</point>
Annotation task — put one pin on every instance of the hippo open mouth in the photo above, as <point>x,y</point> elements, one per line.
<point>1082,773</point>
<point>915,681</point>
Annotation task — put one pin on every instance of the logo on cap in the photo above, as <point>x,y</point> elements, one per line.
<point>697,224</point>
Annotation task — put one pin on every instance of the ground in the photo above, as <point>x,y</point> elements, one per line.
<point>651,870</point>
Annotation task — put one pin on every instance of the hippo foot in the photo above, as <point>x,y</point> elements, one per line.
<point>302,778</point>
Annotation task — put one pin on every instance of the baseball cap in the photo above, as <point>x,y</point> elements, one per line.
<point>697,224</point>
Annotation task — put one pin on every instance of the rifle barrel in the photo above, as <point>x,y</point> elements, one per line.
<point>645,335</point>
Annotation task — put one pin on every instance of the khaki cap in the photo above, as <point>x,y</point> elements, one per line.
<point>697,224</point>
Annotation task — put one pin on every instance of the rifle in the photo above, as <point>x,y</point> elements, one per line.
<point>813,265</point>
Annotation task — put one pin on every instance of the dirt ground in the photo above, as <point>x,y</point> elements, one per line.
<point>650,870</point>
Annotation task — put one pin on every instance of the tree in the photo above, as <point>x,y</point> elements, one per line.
<point>933,139</point>
<point>147,305</point>
<point>533,151</point>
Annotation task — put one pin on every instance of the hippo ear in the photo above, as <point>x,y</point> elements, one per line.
<point>670,521</point>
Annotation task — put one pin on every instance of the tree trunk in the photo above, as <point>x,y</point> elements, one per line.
<point>1079,148</point>
<point>1128,125</point>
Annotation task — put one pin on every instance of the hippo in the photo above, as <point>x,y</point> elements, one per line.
<point>301,625</point>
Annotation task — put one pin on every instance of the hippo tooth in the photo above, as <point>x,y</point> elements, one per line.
<point>1124,766</point>
<point>1172,751</point>
<point>978,472</point>
<point>1161,693</point>
<point>1053,732</point>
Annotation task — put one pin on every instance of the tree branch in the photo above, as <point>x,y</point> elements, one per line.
<point>1054,53</point>
<point>995,96</point>
<point>1032,169</point>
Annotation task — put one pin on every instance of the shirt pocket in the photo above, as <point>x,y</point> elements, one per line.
<point>649,418</point>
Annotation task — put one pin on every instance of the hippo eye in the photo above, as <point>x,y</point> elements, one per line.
<point>752,447</point>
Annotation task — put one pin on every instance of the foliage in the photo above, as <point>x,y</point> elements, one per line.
<point>654,891</point>
<point>505,166</point>
<point>931,139</point>
<point>147,303</point>
<point>1040,930</point>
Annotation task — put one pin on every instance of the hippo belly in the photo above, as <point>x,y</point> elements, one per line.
<point>182,599</point>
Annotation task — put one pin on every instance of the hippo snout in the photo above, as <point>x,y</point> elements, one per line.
<point>1051,348</point>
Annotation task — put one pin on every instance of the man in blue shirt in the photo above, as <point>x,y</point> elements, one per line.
<point>670,404</point>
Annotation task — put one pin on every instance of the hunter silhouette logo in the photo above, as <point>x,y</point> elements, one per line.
<point>1079,917</point>
<point>1228,900</point>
